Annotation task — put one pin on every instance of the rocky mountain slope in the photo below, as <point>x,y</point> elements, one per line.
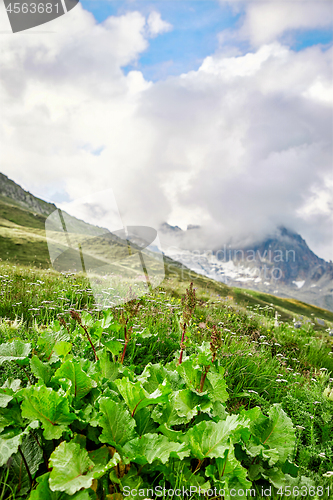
<point>281,264</point>
<point>9,189</point>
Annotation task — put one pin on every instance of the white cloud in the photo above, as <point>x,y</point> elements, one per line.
<point>242,144</point>
<point>266,21</point>
<point>156,25</point>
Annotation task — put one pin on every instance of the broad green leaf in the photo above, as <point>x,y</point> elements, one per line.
<point>273,437</point>
<point>275,476</point>
<point>190,374</point>
<point>229,474</point>
<point>188,403</point>
<point>11,440</point>
<point>116,422</point>
<point>5,397</point>
<point>81,383</point>
<point>7,392</point>
<point>204,356</point>
<point>154,375</point>
<point>11,417</point>
<point>9,446</point>
<point>73,469</point>
<point>136,397</point>
<point>150,447</point>
<point>43,492</point>
<point>15,351</point>
<point>42,371</point>
<point>48,340</point>
<point>13,384</point>
<point>144,423</point>
<point>171,434</point>
<point>106,368</point>
<point>217,389</point>
<point>114,346</point>
<point>210,439</point>
<point>60,349</point>
<point>33,456</point>
<point>167,413</point>
<point>49,407</point>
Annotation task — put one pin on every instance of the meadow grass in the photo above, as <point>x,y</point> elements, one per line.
<point>264,362</point>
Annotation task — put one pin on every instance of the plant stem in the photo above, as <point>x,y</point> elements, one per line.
<point>26,465</point>
<point>203,378</point>
<point>182,345</point>
<point>27,375</point>
<point>124,352</point>
<point>92,345</point>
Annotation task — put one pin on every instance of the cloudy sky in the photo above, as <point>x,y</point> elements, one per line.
<point>208,112</point>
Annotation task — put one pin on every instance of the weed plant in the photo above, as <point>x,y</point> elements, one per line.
<point>263,363</point>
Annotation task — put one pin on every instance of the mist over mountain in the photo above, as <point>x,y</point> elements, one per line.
<point>280,263</point>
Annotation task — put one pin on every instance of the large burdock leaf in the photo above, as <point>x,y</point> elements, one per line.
<point>154,375</point>
<point>188,403</point>
<point>227,473</point>
<point>217,387</point>
<point>136,397</point>
<point>43,492</point>
<point>73,469</point>
<point>167,413</point>
<point>150,447</point>
<point>42,371</point>
<point>273,437</point>
<point>81,383</point>
<point>116,422</point>
<point>49,407</point>
<point>15,351</point>
<point>8,447</point>
<point>9,442</point>
<point>210,439</point>
<point>33,456</point>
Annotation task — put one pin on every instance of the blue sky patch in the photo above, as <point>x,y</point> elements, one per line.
<point>196,25</point>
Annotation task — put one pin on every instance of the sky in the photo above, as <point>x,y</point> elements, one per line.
<point>208,112</point>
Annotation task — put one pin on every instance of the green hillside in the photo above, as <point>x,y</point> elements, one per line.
<point>79,383</point>
<point>23,242</point>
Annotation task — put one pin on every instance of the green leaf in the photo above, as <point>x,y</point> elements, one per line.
<point>167,413</point>
<point>5,397</point>
<point>273,437</point>
<point>105,367</point>
<point>154,375</point>
<point>275,476</point>
<point>15,351</point>
<point>33,456</point>
<point>9,446</point>
<point>188,403</point>
<point>210,439</point>
<point>48,340</point>
<point>229,474</point>
<point>190,374</point>
<point>73,469</point>
<point>114,346</point>
<point>136,397</point>
<point>217,390</point>
<point>150,447</point>
<point>116,422</point>
<point>11,417</point>
<point>42,371</point>
<point>43,492</point>
<point>144,423</point>
<point>81,383</point>
<point>49,407</point>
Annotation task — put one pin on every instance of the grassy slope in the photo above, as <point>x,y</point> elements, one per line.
<point>23,242</point>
